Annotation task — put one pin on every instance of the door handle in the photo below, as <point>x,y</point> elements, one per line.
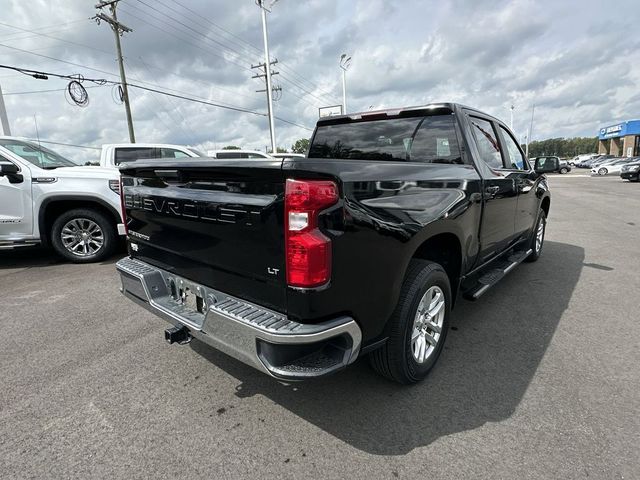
<point>493,191</point>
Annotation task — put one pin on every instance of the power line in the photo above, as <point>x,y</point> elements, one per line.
<point>141,87</point>
<point>47,91</point>
<point>110,73</point>
<point>283,66</point>
<point>238,55</point>
<point>55,38</point>
<point>188,27</point>
<point>65,144</point>
<point>163,30</point>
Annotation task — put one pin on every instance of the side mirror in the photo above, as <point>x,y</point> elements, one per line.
<point>10,170</point>
<point>549,165</point>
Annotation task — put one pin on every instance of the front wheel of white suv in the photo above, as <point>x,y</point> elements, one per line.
<point>83,235</point>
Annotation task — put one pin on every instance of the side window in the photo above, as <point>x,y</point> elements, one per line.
<point>131,154</point>
<point>487,142</point>
<point>172,153</point>
<point>434,141</point>
<point>229,155</point>
<point>515,159</point>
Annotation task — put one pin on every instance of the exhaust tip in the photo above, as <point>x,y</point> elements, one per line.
<point>179,335</point>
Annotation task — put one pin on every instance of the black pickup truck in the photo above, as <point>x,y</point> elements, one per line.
<point>299,266</point>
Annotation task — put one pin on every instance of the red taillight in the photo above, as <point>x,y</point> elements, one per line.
<point>308,250</point>
<point>122,209</point>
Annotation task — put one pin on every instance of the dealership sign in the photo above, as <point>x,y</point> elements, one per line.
<point>612,131</point>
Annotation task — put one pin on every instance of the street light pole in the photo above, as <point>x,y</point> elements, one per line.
<point>267,70</point>
<point>511,124</point>
<point>4,120</point>
<point>345,63</point>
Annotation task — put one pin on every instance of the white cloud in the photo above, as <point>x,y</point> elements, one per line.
<point>580,66</point>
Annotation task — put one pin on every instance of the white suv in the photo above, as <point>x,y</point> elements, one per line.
<point>48,199</point>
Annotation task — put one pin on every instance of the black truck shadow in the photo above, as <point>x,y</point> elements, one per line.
<point>491,356</point>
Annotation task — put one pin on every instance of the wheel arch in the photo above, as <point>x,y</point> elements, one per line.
<point>545,205</point>
<point>445,249</point>
<point>53,207</point>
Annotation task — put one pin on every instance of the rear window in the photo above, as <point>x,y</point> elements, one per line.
<point>131,154</point>
<point>229,155</point>
<point>428,139</point>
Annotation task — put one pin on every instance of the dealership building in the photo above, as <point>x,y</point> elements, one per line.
<point>621,139</point>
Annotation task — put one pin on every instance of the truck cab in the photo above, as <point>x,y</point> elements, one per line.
<point>113,155</point>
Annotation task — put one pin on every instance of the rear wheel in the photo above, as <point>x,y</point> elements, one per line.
<point>602,171</point>
<point>564,170</point>
<point>418,325</point>
<point>83,235</point>
<point>538,238</point>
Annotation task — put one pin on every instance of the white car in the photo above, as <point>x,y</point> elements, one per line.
<point>613,167</point>
<point>48,199</point>
<point>230,154</point>
<point>113,155</point>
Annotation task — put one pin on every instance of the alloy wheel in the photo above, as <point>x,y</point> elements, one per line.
<point>427,325</point>
<point>540,235</point>
<point>82,237</point>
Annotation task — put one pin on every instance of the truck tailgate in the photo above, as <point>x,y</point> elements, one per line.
<point>215,222</point>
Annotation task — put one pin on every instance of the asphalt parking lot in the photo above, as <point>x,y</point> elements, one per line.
<point>539,378</point>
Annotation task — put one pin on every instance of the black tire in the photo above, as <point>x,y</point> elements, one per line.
<point>105,224</point>
<point>602,171</point>
<point>395,360</point>
<point>536,252</point>
<point>563,171</point>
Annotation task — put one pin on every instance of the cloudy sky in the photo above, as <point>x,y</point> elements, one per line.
<point>577,61</point>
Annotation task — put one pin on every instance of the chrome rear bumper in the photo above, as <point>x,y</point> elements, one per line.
<point>257,336</point>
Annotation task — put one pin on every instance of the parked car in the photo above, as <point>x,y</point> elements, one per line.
<point>579,158</point>
<point>631,171</point>
<point>230,154</point>
<point>596,161</point>
<point>297,268</point>
<point>551,164</point>
<point>113,155</point>
<point>610,167</point>
<point>47,199</point>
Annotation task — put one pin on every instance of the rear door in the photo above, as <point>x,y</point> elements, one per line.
<point>500,195</point>
<point>16,205</point>
<point>525,179</point>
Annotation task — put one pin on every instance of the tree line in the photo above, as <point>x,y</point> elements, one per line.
<point>563,147</point>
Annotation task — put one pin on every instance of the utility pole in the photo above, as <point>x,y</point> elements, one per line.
<point>118,29</point>
<point>6,130</point>
<point>276,90</point>
<point>345,63</point>
<point>264,9</point>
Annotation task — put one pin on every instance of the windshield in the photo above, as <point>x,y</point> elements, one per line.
<point>429,139</point>
<point>196,152</point>
<point>35,154</point>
